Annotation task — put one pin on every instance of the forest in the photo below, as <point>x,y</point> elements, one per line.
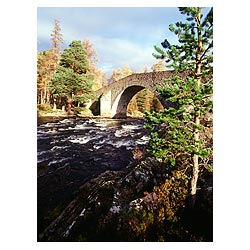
<point>67,79</point>
<point>179,206</point>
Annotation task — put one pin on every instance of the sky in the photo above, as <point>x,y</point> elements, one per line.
<point>120,35</point>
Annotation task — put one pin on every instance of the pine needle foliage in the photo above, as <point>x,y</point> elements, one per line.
<point>176,130</point>
<point>70,82</point>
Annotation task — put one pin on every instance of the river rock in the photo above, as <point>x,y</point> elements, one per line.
<point>95,214</point>
<point>98,210</point>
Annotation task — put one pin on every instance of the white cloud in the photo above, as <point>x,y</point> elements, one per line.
<point>121,36</point>
<point>115,53</point>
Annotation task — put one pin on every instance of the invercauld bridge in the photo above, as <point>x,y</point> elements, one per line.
<point>114,98</point>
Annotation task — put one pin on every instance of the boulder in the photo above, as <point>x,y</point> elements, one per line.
<point>99,210</point>
<point>95,214</point>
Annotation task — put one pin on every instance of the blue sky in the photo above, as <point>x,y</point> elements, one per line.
<point>120,35</point>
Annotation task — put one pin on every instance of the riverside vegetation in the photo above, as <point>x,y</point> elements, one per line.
<point>166,194</point>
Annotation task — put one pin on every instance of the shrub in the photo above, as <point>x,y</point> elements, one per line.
<point>44,107</point>
<point>156,216</point>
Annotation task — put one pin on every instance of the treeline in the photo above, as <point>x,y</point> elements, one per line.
<point>68,78</point>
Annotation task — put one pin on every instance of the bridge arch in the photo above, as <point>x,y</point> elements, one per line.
<point>119,107</point>
<point>114,98</point>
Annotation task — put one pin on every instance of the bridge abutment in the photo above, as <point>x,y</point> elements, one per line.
<point>105,105</point>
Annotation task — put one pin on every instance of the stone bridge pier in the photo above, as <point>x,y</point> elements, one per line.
<point>114,98</point>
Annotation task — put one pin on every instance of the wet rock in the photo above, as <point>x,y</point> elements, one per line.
<point>95,213</point>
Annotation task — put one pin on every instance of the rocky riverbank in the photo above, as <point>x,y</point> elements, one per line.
<point>44,116</point>
<point>100,208</point>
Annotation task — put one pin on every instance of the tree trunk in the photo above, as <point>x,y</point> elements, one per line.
<point>45,94</point>
<point>42,97</point>
<point>54,105</point>
<point>195,173</point>
<point>70,106</point>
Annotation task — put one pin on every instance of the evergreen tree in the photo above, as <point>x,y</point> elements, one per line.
<point>71,81</point>
<point>176,130</point>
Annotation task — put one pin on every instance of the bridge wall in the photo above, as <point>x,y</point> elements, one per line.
<point>105,105</point>
<point>116,96</point>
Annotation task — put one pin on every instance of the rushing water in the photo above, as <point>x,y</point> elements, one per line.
<point>74,150</point>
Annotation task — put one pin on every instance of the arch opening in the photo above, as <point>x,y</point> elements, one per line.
<point>144,100</point>
<point>119,108</point>
<point>123,107</point>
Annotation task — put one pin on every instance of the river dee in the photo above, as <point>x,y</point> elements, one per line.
<point>74,150</point>
<point>77,141</point>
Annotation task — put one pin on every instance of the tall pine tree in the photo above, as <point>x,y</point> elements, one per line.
<point>176,131</point>
<point>71,81</point>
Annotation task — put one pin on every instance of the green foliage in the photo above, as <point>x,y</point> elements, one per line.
<point>75,58</point>
<point>173,130</point>
<point>70,80</point>
<point>158,217</point>
<point>197,29</point>
<point>44,107</point>
<point>141,100</point>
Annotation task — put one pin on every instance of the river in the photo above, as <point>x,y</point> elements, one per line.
<point>74,150</point>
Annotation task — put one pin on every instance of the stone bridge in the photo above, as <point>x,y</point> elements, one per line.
<point>114,98</point>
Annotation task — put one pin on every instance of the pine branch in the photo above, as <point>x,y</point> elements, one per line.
<point>208,47</point>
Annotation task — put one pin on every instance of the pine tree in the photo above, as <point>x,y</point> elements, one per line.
<point>176,131</point>
<point>71,81</point>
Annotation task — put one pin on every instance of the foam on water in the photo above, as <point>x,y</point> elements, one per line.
<point>96,147</point>
<point>65,121</point>
<point>42,160</point>
<point>84,139</point>
<point>121,132</point>
<point>81,140</point>
<point>94,135</point>
<point>43,152</point>
<point>59,147</point>
<point>58,161</point>
<point>82,126</point>
<point>143,140</point>
<point>131,127</point>
<point>124,142</point>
